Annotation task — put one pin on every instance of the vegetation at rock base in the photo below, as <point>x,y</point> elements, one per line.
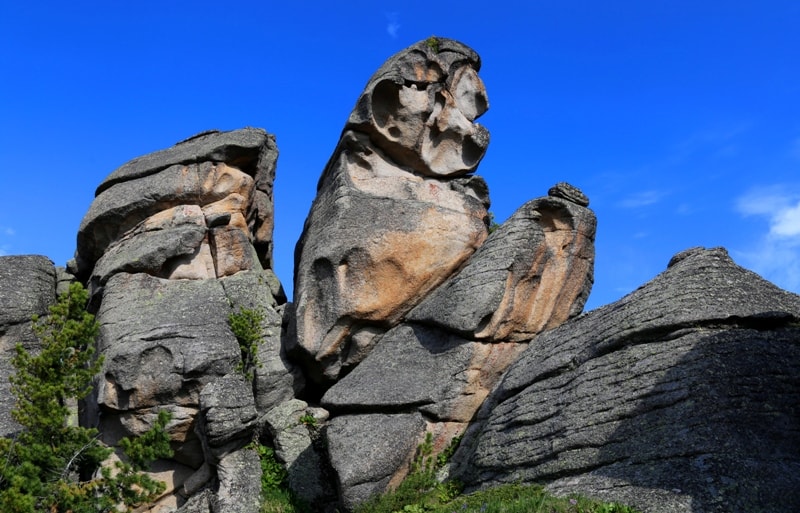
<point>276,497</point>
<point>420,492</point>
<point>44,466</point>
<point>246,326</point>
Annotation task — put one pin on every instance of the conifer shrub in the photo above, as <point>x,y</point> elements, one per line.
<point>50,465</point>
<point>246,327</point>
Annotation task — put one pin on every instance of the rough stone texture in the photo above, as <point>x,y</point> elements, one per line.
<point>174,243</point>
<point>298,446</point>
<point>366,450</point>
<point>163,352</point>
<point>275,379</point>
<point>396,212</point>
<point>439,374</point>
<point>228,171</point>
<point>533,273</point>
<point>683,396</point>
<point>199,503</point>
<point>239,483</point>
<point>228,416</point>
<point>27,288</point>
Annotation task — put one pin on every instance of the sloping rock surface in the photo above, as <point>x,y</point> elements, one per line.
<point>533,273</point>
<point>682,396</point>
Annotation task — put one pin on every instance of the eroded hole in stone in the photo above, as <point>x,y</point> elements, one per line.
<point>471,152</point>
<point>385,102</point>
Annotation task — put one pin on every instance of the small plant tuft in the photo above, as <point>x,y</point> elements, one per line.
<point>309,420</point>
<point>246,326</point>
<point>276,497</point>
<point>433,43</point>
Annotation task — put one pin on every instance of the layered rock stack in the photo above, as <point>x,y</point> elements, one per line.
<point>406,314</point>
<point>174,243</point>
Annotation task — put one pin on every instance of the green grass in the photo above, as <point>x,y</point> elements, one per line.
<point>511,498</point>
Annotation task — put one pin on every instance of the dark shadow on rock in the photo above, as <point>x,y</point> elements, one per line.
<point>718,431</point>
<point>684,396</point>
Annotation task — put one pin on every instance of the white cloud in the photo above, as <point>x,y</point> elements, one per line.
<point>776,254</point>
<point>780,204</point>
<point>786,223</point>
<point>9,231</point>
<point>641,199</point>
<point>393,25</point>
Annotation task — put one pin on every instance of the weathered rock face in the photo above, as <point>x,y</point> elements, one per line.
<point>196,210</point>
<point>682,396</point>
<point>174,243</point>
<point>396,212</point>
<point>404,316</point>
<point>27,288</point>
<point>533,273</point>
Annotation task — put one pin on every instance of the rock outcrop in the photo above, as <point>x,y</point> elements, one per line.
<point>173,244</point>
<point>411,323</point>
<point>406,315</point>
<point>397,211</point>
<point>27,288</point>
<point>682,396</point>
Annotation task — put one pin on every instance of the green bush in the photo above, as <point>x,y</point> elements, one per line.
<point>42,466</point>
<point>276,497</point>
<point>246,326</point>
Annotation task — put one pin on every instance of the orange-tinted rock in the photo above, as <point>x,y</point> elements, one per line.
<point>532,274</point>
<point>395,213</point>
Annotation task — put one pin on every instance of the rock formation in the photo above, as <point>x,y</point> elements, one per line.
<point>404,317</point>
<point>411,319</point>
<point>396,211</point>
<point>682,396</point>
<point>173,244</point>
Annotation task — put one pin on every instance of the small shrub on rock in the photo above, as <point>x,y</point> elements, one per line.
<point>44,466</point>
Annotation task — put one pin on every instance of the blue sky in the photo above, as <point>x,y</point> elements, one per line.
<point>680,120</point>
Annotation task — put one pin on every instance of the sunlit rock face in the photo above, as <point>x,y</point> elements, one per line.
<point>405,313</point>
<point>397,209</point>
<point>201,209</point>
<point>532,274</point>
<point>173,244</point>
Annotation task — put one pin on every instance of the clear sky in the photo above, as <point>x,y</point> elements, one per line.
<point>679,119</point>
